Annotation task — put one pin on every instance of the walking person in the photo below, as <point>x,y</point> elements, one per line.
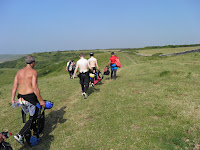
<point>83,65</point>
<point>73,65</point>
<point>69,68</point>
<point>93,64</point>
<point>113,66</point>
<point>28,94</point>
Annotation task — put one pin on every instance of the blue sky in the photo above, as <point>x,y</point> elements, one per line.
<point>28,26</point>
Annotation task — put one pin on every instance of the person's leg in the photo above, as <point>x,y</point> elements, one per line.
<point>112,70</point>
<point>111,74</point>
<point>115,72</point>
<point>35,123</point>
<point>86,84</point>
<point>70,74</point>
<point>26,126</point>
<point>86,81</point>
<point>31,110</point>
<point>94,68</point>
<point>81,82</point>
<point>82,87</point>
<point>92,80</point>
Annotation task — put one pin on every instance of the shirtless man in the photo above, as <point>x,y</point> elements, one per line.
<point>93,62</point>
<point>83,65</point>
<point>28,94</point>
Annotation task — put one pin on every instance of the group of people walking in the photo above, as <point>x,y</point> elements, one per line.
<point>91,66</point>
<point>28,92</point>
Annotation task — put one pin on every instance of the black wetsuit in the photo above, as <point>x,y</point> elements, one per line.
<point>31,98</point>
<point>84,81</point>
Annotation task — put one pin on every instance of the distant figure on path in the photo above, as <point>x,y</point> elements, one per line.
<point>113,66</point>
<point>83,65</point>
<point>69,68</point>
<point>93,62</point>
<point>28,94</point>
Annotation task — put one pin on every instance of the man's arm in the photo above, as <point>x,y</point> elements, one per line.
<point>14,89</point>
<point>89,66</point>
<point>36,89</point>
<point>109,62</point>
<point>97,65</point>
<point>67,66</point>
<point>75,70</point>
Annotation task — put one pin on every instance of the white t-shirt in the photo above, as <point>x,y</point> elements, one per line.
<point>68,63</point>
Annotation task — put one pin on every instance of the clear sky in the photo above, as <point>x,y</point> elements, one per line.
<point>28,26</point>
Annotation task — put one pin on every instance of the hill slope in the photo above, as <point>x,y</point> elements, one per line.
<point>153,104</point>
<point>9,57</point>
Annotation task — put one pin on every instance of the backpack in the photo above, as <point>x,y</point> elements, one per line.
<point>70,67</point>
<point>118,64</point>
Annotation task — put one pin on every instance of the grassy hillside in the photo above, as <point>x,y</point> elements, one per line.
<point>153,104</point>
<point>9,57</point>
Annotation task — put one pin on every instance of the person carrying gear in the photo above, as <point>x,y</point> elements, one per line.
<point>70,68</point>
<point>112,64</point>
<point>93,63</point>
<point>28,94</point>
<point>83,65</point>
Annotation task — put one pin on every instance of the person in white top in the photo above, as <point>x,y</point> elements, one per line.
<point>69,68</point>
<point>83,65</point>
<point>93,62</point>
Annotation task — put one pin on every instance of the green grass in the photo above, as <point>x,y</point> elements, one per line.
<point>153,104</point>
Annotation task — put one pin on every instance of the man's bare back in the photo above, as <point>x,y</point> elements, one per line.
<point>26,83</point>
<point>82,65</point>
<point>93,62</point>
<point>24,78</point>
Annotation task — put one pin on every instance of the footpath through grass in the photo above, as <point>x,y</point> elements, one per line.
<point>153,104</point>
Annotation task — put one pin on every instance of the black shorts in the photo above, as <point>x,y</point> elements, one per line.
<point>84,78</point>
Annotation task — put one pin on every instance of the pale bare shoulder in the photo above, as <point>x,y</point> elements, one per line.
<point>34,72</point>
<point>20,71</point>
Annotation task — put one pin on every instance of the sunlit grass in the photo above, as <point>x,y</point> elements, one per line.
<point>153,104</point>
